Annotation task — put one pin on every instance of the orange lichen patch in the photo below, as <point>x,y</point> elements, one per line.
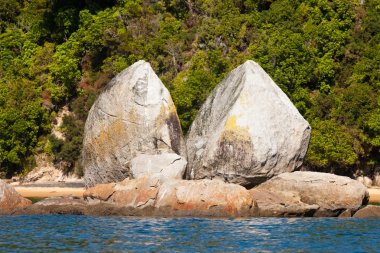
<point>109,139</point>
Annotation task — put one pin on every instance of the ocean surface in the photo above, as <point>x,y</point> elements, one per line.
<point>124,234</point>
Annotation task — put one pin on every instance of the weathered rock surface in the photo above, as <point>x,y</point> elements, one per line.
<point>57,205</point>
<point>133,119</point>
<point>10,199</point>
<point>135,193</point>
<point>369,211</point>
<point>247,131</point>
<point>281,204</point>
<point>62,201</point>
<point>204,198</point>
<point>175,197</point>
<point>322,194</point>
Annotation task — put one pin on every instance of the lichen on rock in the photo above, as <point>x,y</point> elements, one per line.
<point>133,116</point>
<point>247,131</point>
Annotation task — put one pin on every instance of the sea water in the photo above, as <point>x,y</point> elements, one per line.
<point>125,234</point>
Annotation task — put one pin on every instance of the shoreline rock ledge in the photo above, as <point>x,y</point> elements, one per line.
<point>305,193</point>
<point>247,131</point>
<point>133,130</point>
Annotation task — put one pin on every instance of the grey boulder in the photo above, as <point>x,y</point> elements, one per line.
<point>319,194</point>
<point>247,131</point>
<point>133,117</point>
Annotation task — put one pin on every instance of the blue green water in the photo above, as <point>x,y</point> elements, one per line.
<point>123,234</point>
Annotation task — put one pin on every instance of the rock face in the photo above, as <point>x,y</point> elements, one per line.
<point>175,197</point>
<point>319,194</point>
<point>10,199</point>
<point>134,119</point>
<point>247,131</point>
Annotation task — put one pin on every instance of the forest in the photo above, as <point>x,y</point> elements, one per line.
<point>325,55</point>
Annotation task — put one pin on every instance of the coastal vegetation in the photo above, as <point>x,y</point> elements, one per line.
<point>325,55</point>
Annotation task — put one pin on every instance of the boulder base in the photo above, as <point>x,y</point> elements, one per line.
<point>247,131</point>
<point>175,198</point>
<point>314,193</point>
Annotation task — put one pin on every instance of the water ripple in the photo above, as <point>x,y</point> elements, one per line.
<point>125,234</point>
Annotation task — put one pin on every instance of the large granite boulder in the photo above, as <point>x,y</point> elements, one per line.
<point>322,194</point>
<point>133,120</point>
<point>10,198</point>
<point>150,196</point>
<point>247,131</point>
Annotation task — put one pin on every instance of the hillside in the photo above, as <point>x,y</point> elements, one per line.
<point>325,55</point>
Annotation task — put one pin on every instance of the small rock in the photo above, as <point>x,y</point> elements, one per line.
<point>369,211</point>
<point>281,204</point>
<point>346,214</point>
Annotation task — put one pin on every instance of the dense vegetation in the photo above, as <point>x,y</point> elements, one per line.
<point>324,54</point>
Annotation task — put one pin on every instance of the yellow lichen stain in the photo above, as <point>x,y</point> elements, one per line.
<point>231,123</point>
<point>172,107</point>
<point>232,131</point>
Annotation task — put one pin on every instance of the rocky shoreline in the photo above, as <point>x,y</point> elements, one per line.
<point>309,195</point>
<point>239,159</point>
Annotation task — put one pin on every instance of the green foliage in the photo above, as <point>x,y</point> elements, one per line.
<point>330,145</point>
<point>324,54</point>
